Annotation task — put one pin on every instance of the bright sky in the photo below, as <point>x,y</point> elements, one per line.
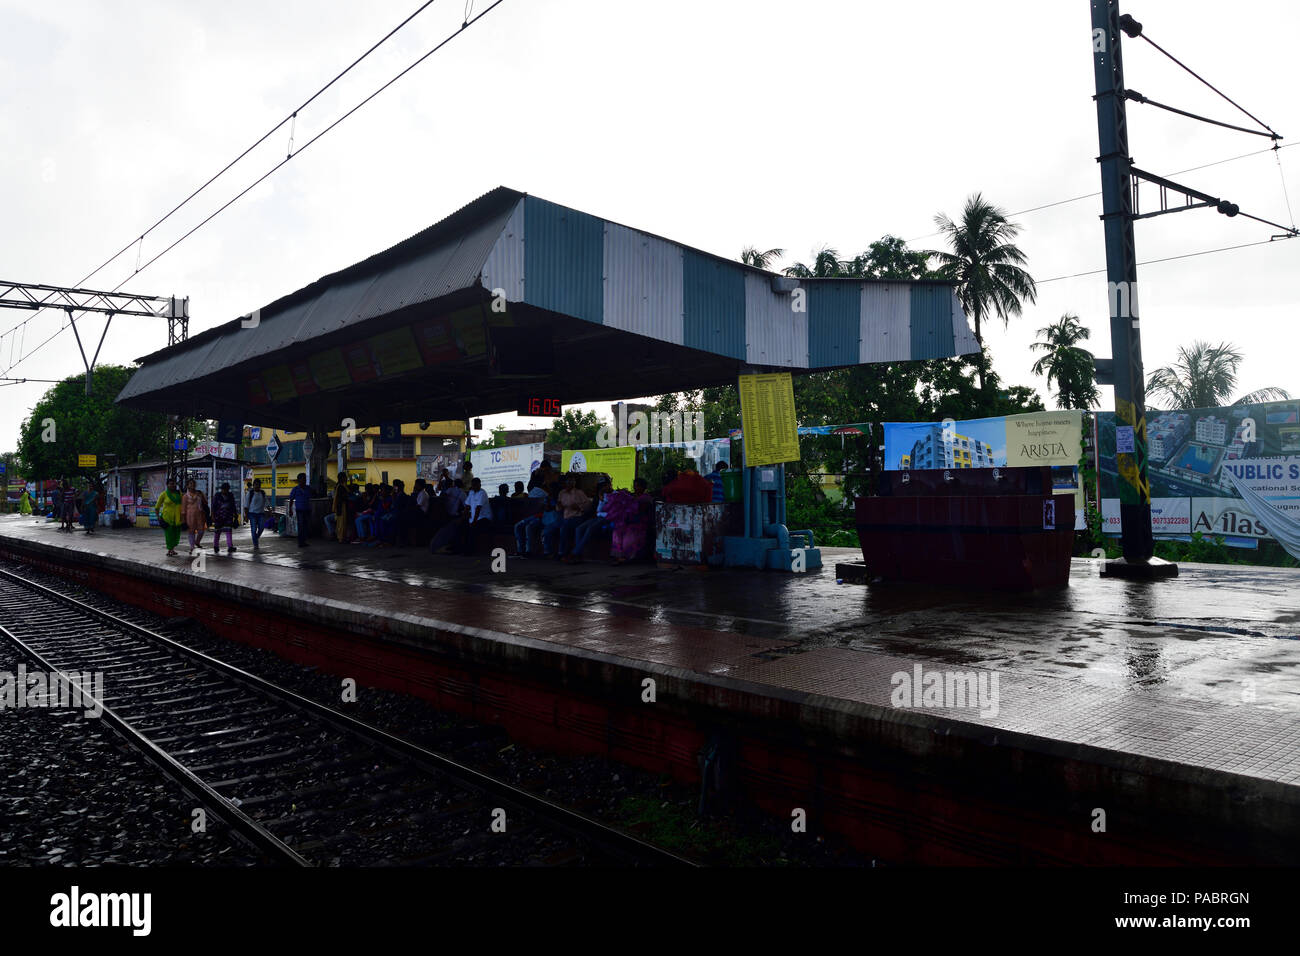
<point>719,124</point>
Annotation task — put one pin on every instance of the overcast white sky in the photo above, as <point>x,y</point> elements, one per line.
<point>718,124</point>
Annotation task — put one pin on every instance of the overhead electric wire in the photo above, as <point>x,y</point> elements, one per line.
<point>268,173</point>
<point>1185,255</point>
<point>1193,169</point>
<point>1210,85</point>
<point>292,116</point>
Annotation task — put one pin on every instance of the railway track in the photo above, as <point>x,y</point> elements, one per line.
<point>301,782</point>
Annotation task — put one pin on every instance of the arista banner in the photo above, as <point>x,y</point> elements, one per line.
<point>1034,438</point>
<point>1198,462</point>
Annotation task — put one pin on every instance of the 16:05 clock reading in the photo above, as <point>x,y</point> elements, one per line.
<point>535,405</point>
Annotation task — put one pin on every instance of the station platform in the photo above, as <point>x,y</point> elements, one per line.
<point>1123,722</point>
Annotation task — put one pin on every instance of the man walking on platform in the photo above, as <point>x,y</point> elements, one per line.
<point>300,502</point>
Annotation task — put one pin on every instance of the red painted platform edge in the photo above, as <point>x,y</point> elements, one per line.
<point>886,803</point>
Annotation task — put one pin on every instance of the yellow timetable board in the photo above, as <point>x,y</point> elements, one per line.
<point>768,419</point>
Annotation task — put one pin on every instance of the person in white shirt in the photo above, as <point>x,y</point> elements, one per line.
<point>423,516</point>
<point>454,498</point>
<point>478,510</point>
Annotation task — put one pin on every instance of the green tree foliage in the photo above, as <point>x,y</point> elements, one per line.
<point>1064,363</point>
<point>751,256</point>
<point>575,429</point>
<point>834,469</point>
<point>886,258</point>
<point>88,424</point>
<point>986,265</point>
<point>1203,377</point>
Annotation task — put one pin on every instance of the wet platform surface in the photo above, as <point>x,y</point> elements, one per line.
<point>1203,670</point>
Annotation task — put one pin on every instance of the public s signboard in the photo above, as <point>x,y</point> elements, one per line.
<point>1193,456</point>
<point>86,461</point>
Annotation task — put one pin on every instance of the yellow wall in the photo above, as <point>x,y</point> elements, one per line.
<point>365,469</point>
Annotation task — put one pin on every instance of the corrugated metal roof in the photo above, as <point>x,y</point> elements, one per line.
<point>572,265</point>
<point>642,284</point>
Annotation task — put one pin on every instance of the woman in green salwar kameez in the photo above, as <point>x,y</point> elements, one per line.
<point>169,516</point>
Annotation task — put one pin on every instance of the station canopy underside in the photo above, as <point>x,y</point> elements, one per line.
<point>514,297</point>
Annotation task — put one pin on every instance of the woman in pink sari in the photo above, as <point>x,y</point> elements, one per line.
<point>630,514</point>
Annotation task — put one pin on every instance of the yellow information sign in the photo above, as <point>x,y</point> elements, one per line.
<point>768,419</point>
<point>87,461</point>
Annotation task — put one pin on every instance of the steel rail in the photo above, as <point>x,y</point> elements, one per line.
<point>253,832</point>
<point>570,821</point>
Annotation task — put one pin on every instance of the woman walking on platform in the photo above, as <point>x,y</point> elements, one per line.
<point>169,516</point>
<point>256,505</point>
<point>194,508</point>
<point>225,512</point>
<point>89,507</point>
<point>24,503</point>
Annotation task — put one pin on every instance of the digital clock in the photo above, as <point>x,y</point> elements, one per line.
<point>535,406</point>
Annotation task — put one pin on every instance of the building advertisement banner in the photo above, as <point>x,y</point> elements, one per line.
<point>1044,438</point>
<point>497,466</point>
<point>1031,439</point>
<point>618,463</point>
<point>1191,454</point>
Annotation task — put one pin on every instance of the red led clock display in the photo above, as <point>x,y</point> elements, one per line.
<point>535,406</point>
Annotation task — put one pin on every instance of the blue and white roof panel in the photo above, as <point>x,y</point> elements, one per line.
<point>563,260</point>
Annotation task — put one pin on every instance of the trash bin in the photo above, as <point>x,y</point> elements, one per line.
<point>731,484</point>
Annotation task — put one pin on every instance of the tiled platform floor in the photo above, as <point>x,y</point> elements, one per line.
<point>1203,670</point>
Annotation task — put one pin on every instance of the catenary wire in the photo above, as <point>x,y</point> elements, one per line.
<point>291,117</point>
<point>269,172</point>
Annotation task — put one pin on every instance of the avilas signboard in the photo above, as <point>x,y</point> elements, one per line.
<point>1195,455</point>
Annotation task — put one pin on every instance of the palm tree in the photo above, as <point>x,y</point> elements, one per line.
<point>1070,366</point>
<point>985,264</point>
<point>750,256</point>
<point>826,265</point>
<point>1203,377</point>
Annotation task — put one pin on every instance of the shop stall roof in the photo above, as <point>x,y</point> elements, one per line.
<point>195,462</point>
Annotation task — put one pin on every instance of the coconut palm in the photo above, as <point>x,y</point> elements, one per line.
<point>1203,377</point>
<point>986,265</point>
<point>1065,363</point>
<point>826,265</point>
<point>750,256</point>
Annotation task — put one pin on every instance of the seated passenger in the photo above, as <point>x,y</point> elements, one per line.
<point>500,504</point>
<point>573,504</point>
<point>594,527</point>
<point>519,490</point>
<point>478,517</point>
<point>631,515</point>
<point>529,530</point>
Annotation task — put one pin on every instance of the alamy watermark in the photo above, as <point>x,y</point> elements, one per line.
<point>948,689</point>
<point>60,689</point>
<point>654,428</point>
